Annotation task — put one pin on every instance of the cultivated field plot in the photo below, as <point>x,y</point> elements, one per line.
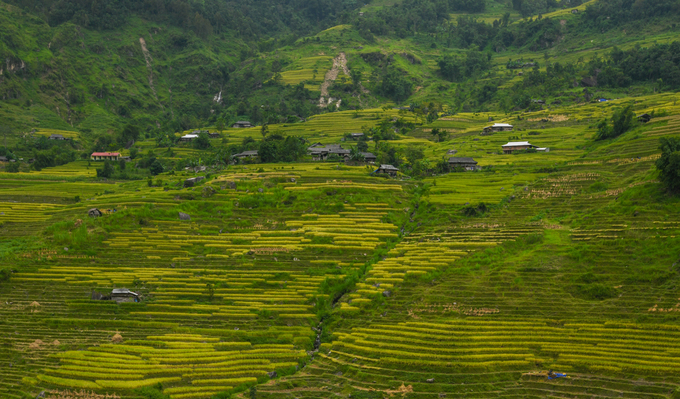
<point>459,285</point>
<point>493,359</point>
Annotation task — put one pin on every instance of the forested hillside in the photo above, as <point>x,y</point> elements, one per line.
<point>167,66</point>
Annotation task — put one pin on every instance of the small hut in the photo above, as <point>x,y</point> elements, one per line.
<point>644,118</point>
<point>242,124</point>
<point>94,213</point>
<point>463,162</point>
<point>387,170</point>
<point>121,295</point>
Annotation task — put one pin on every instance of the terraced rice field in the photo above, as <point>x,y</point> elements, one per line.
<point>346,284</point>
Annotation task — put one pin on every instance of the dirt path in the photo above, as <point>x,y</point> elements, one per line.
<point>148,59</point>
<point>339,63</point>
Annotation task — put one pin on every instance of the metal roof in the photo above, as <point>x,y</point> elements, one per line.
<point>105,154</point>
<point>246,153</point>
<point>518,144</point>
<point>462,160</point>
<point>123,291</point>
<point>190,136</point>
<point>388,167</point>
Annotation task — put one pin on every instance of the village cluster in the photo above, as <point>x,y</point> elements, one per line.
<point>320,152</point>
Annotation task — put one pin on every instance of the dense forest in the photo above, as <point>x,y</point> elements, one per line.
<point>251,19</point>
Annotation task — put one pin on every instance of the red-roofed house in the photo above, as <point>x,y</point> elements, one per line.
<point>105,156</point>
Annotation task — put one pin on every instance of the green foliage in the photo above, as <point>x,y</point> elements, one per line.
<point>478,210</point>
<point>440,134</point>
<point>669,163</point>
<point>155,392</point>
<point>622,121</point>
<point>5,274</point>
<point>395,85</point>
<point>455,69</point>
<point>13,167</point>
<point>106,171</point>
<point>201,142</point>
<point>605,15</point>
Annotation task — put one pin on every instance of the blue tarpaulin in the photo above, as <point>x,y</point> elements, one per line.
<point>557,375</point>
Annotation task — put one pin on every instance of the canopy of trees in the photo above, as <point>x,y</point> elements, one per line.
<point>251,19</point>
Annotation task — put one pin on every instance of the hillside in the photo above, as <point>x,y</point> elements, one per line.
<point>277,274</point>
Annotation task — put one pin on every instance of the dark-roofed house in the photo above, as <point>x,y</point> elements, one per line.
<point>387,170</point>
<point>105,156</point>
<point>323,153</point>
<point>245,154</point>
<point>644,118</point>
<point>214,135</point>
<point>3,159</point>
<point>463,162</point>
<point>57,137</point>
<point>242,124</point>
<point>124,295</point>
<point>369,157</point>
<point>356,136</point>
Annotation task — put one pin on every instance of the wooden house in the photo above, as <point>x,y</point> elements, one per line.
<point>105,156</point>
<point>323,153</point>
<point>356,136</point>
<point>57,137</point>
<point>463,162</point>
<point>242,124</point>
<point>121,295</point>
<point>499,127</point>
<point>387,170</point>
<point>369,157</point>
<point>517,146</point>
<point>245,154</point>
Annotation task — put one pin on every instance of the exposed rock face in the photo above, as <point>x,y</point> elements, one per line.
<point>184,216</point>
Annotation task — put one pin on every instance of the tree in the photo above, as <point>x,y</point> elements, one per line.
<point>356,155</point>
<point>440,134</point>
<point>202,142</point>
<point>106,171</point>
<point>622,121</point>
<point>156,167</point>
<point>12,167</point>
<point>362,145</point>
<point>210,291</point>
<point>267,151</point>
<point>395,85</point>
<point>264,130</point>
<point>130,133</point>
<point>220,125</point>
<point>669,163</point>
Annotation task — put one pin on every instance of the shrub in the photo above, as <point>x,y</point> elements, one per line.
<point>5,274</point>
<point>12,167</point>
